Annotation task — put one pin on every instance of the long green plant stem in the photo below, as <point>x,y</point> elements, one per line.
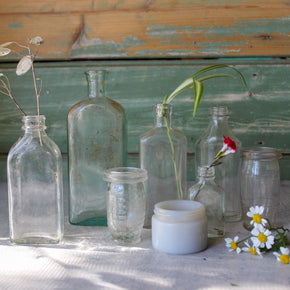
<point>173,155</point>
<point>197,85</point>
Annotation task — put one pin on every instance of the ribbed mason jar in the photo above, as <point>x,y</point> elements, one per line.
<point>125,203</point>
<point>260,182</point>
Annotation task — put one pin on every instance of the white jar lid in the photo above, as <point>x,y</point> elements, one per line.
<point>179,210</point>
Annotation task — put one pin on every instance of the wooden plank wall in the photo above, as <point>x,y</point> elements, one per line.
<point>148,48</point>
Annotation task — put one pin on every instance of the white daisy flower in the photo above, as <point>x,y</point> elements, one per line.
<point>232,244</point>
<point>252,249</point>
<point>262,238</point>
<point>284,256</point>
<point>256,214</point>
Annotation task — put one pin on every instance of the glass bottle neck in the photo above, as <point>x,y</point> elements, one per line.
<point>96,82</point>
<point>162,114</point>
<point>206,173</point>
<point>219,116</point>
<point>33,124</point>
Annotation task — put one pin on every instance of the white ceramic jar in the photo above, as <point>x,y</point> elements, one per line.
<point>179,227</point>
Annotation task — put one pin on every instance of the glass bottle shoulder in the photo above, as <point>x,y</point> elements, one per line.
<point>101,104</point>
<point>156,134</point>
<point>30,145</point>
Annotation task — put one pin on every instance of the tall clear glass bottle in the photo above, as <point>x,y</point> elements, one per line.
<point>156,158</point>
<point>34,169</point>
<point>212,196</point>
<point>97,139</point>
<point>227,174</point>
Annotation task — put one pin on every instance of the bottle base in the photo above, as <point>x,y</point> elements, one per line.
<point>100,222</point>
<point>215,233</point>
<point>35,239</point>
<point>232,218</point>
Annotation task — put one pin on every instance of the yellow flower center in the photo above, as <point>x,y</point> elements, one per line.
<point>253,251</point>
<point>257,218</point>
<point>262,238</point>
<point>234,245</point>
<point>284,259</point>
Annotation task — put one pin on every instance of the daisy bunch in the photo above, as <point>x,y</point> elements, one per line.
<point>263,238</point>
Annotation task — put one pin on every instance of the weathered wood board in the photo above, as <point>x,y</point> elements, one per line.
<point>261,118</point>
<point>145,29</point>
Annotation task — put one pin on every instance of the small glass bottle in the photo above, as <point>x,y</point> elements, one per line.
<point>34,169</point>
<point>126,203</point>
<point>226,174</point>
<point>97,139</point>
<point>260,182</point>
<point>156,158</point>
<point>212,196</point>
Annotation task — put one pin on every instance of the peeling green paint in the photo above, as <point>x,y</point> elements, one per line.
<point>14,25</point>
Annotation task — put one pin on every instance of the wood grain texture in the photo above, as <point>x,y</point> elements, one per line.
<point>263,118</point>
<point>146,29</point>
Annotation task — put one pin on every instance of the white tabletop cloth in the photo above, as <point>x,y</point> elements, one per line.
<point>88,259</point>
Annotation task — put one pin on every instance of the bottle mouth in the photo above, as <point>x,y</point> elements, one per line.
<point>179,210</point>
<point>219,111</point>
<point>33,122</point>
<point>258,153</point>
<point>127,175</point>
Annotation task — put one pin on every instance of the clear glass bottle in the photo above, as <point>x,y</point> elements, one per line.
<point>34,169</point>
<point>227,174</point>
<point>260,182</point>
<point>156,158</point>
<point>126,203</point>
<point>97,139</point>
<point>212,196</point>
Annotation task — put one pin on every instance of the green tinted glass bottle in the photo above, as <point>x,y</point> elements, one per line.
<point>97,139</point>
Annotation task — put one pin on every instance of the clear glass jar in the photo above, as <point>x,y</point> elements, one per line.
<point>34,169</point>
<point>156,158</point>
<point>260,182</point>
<point>97,138</point>
<point>226,174</point>
<point>179,227</point>
<point>212,196</point>
<point>126,203</point>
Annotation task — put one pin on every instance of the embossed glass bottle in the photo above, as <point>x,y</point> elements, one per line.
<point>156,158</point>
<point>34,168</point>
<point>97,139</point>
<point>227,174</point>
<point>212,196</point>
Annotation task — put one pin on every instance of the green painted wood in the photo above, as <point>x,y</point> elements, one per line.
<point>259,119</point>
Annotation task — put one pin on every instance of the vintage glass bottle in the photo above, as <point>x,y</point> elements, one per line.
<point>226,174</point>
<point>212,196</point>
<point>156,158</point>
<point>34,169</point>
<point>97,139</point>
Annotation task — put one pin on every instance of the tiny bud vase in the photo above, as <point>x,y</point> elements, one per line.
<point>34,169</point>
<point>212,196</point>
<point>97,139</point>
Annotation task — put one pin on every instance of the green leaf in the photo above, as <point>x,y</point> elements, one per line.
<point>209,68</point>
<point>215,76</point>
<point>198,91</point>
<point>182,87</point>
